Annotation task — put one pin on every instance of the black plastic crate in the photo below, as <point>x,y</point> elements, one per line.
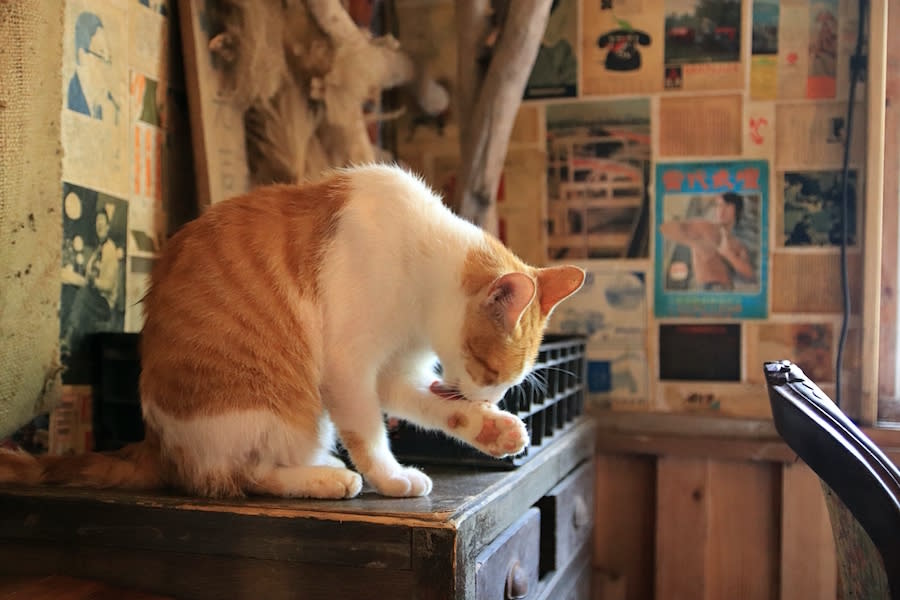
<point>546,412</point>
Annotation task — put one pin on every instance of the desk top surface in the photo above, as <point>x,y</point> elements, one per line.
<point>457,491</point>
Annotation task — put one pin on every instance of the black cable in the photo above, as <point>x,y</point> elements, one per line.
<point>857,69</point>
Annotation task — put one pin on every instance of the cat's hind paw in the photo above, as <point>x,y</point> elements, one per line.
<point>501,435</point>
<point>405,482</point>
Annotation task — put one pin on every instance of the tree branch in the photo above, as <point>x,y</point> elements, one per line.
<point>492,116</point>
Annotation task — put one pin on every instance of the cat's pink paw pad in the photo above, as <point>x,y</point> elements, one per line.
<point>502,435</point>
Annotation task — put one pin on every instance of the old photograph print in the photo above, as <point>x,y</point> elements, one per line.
<point>598,171</point>
<point>93,273</point>
<point>702,31</point>
<point>813,205</point>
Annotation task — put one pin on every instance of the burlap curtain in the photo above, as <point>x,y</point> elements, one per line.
<point>31,33</point>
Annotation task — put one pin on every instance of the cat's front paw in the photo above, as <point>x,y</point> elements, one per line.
<point>502,434</point>
<point>403,482</point>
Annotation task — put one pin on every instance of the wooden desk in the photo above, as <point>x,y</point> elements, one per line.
<point>477,530</point>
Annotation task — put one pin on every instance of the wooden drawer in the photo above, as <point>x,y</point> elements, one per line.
<point>567,518</point>
<point>508,566</point>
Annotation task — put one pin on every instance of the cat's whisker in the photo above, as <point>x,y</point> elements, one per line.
<point>561,370</point>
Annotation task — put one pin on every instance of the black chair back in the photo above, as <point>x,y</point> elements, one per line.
<point>864,479</point>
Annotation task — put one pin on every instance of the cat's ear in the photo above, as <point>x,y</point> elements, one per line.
<point>556,284</point>
<point>508,297</point>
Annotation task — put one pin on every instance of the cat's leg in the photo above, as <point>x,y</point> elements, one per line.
<point>326,459</point>
<point>479,424</point>
<point>353,406</point>
<point>305,482</point>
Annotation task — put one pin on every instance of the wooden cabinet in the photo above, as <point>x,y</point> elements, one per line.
<point>482,534</point>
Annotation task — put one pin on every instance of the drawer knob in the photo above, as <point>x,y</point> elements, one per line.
<point>580,514</point>
<point>516,582</point>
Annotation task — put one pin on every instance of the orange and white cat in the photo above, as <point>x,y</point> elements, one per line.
<point>283,315</point>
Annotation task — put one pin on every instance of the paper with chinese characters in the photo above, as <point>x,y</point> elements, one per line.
<point>711,228</point>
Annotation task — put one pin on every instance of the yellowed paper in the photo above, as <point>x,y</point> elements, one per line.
<point>811,282</point>
<point>703,52</point>
<point>705,126</point>
<point>759,130</point>
<point>813,135</point>
<point>622,47</point>
<point>745,400</point>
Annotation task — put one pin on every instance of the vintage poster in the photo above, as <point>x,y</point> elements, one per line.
<point>764,50</point>
<point>148,37</point>
<point>815,134</point>
<point>598,173</point>
<point>148,101</point>
<point>759,130</point>
<point>700,352</point>
<point>622,47</point>
<point>810,344</point>
<point>611,310</point>
<point>555,70</point>
<point>703,45</point>
<point>94,255</point>
<point>95,96</point>
<point>700,126</point>
<point>808,49</point>
<point>117,114</point>
<point>811,208</point>
<point>712,239</point>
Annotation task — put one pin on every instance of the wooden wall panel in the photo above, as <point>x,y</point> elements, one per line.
<point>625,502</point>
<point>681,528</point>
<point>887,364</point>
<point>808,560</point>
<point>672,527</point>
<point>743,530</point>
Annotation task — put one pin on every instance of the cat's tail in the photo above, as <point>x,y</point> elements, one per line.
<point>133,467</point>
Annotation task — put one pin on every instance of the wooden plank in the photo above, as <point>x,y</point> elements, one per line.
<point>624,515</point>
<point>692,425</point>
<point>712,437</point>
<point>767,449</point>
<point>308,540</point>
<point>608,586</point>
<point>682,528</point>
<point>808,559</point>
<point>875,167</point>
<point>193,576</point>
<point>217,125</point>
<point>890,309</point>
<point>57,587</point>
<point>743,527</point>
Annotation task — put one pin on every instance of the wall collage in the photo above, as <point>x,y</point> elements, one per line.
<point>124,126</point>
<point>687,154</point>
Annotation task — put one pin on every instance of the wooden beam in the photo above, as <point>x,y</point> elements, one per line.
<point>808,557</point>
<point>872,255</point>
